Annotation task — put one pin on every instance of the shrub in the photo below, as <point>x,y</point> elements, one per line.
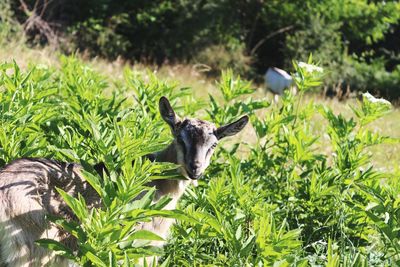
<point>220,57</point>
<point>10,29</point>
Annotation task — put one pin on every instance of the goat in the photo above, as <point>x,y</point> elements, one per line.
<point>27,189</point>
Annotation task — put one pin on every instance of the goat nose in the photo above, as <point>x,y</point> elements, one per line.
<point>195,165</point>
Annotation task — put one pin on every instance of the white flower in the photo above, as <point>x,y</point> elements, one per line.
<point>310,68</point>
<point>41,67</point>
<point>370,98</point>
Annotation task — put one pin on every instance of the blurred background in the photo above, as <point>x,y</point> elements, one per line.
<point>357,41</point>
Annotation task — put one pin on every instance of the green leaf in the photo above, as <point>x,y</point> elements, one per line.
<point>57,247</point>
<point>95,260</point>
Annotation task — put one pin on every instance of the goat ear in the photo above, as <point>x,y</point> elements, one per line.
<point>167,113</point>
<point>232,128</point>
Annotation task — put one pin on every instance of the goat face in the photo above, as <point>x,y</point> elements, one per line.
<point>195,140</point>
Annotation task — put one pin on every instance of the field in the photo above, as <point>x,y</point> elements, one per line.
<point>313,182</point>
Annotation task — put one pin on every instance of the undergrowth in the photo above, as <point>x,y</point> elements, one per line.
<point>284,203</point>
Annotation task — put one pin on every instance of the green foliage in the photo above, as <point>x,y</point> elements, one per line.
<point>355,39</point>
<point>370,74</point>
<point>278,199</point>
<point>72,115</point>
<point>10,29</point>
<point>347,38</point>
<point>232,88</point>
<point>287,203</point>
<point>322,39</point>
<point>219,57</point>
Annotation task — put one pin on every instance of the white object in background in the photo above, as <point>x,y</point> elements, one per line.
<point>277,80</point>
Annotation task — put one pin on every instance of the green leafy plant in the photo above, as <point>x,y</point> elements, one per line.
<point>287,202</point>
<point>67,115</point>
<point>281,195</point>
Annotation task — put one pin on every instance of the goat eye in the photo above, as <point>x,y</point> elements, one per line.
<point>212,148</point>
<point>182,144</point>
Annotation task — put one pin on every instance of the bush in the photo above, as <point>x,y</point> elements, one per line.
<point>372,76</point>
<point>10,29</point>
<point>219,57</point>
<point>364,73</point>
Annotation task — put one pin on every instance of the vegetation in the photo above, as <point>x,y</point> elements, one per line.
<point>307,185</point>
<point>357,40</point>
<point>281,199</point>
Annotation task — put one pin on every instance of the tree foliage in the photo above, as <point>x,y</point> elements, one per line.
<point>355,39</point>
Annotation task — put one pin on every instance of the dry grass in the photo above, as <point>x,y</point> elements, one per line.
<point>185,75</point>
<point>383,156</point>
